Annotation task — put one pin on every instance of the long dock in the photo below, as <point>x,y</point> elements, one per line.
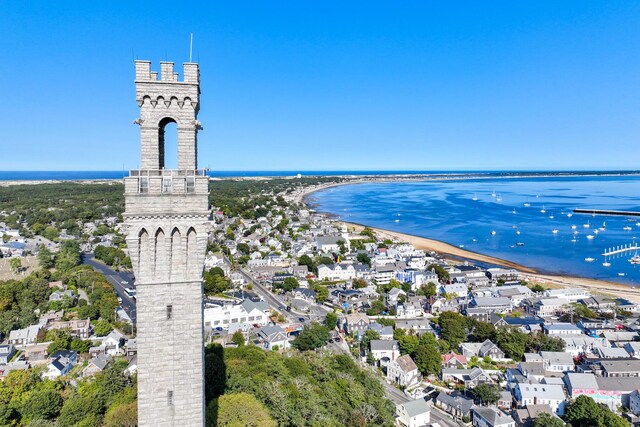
<point>606,212</point>
<point>620,249</point>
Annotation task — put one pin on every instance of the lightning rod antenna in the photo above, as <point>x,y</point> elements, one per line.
<point>191,48</point>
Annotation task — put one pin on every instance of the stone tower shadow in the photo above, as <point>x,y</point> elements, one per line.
<point>215,377</point>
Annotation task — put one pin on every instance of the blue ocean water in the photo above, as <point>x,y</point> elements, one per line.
<point>523,211</point>
<point>83,175</point>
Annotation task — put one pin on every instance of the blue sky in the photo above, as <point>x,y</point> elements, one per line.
<point>330,85</point>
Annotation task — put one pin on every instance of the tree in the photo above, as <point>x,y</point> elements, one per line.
<point>480,331</point>
<point>102,328</point>
<point>238,410</point>
<point>428,358</point>
<point>359,283</point>
<point>122,416</point>
<point>364,258</point>
<point>313,336</point>
<point>81,346</point>
<point>548,420</point>
<point>583,412</point>
<point>45,257</point>
<point>289,284</point>
<point>429,290</point>
<point>44,404</point>
<point>322,293</point>
<point>215,281</point>
<point>537,288</point>
<point>331,320</point>
<point>452,328</point>
<point>368,336</point>
<point>443,275</point>
<point>306,260</point>
<point>238,338</point>
<point>16,264</point>
<point>408,344</point>
<point>62,341</point>
<point>486,393</point>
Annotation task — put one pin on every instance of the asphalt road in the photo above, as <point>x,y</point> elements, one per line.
<point>116,278</point>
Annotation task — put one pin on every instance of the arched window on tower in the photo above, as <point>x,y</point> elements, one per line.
<point>168,140</point>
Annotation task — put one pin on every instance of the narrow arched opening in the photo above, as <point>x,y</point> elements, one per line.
<point>168,141</point>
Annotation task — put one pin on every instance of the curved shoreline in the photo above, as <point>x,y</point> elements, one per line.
<point>553,280</point>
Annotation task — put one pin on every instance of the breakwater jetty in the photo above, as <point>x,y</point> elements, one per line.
<point>606,212</point>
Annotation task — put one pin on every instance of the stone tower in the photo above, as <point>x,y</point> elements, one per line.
<point>167,221</point>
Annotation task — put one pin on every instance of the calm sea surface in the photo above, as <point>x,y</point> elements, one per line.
<point>523,213</point>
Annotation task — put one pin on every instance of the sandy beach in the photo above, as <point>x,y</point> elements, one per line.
<point>454,253</point>
<point>529,274</point>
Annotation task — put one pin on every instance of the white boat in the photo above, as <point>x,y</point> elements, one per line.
<point>493,193</point>
<point>595,231</point>
<point>555,231</point>
<point>518,232</point>
<point>543,210</point>
<point>635,259</point>
<point>606,264</point>
<point>576,232</point>
<point>626,228</point>
<point>588,259</point>
<point>573,227</point>
<point>620,274</point>
<point>573,240</point>
<point>474,240</point>
<point>493,232</point>
<point>461,246</point>
<point>498,199</point>
<point>526,205</point>
<point>569,215</point>
<point>603,227</point>
<point>638,224</point>
<point>514,212</point>
<point>587,225</point>
<point>397,220</point>
<point>590,236</point>
<point>475,197</point>
<point>520,244</point>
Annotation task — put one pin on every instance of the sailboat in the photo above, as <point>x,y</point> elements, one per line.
<point>475,197</point>
<point>604,226</point>
<point>543,210</point>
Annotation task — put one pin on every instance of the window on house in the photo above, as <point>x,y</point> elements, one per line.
<point>169,311</point>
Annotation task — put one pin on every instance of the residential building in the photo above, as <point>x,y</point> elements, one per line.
<point>453,360</point>
<point>246,313</point>
<point>28,335</point>
<point>272,336</point>
<point>561,329</point>
<point>490,417</point>
<point>610,391</point>
<point>483,349</point>
<point>525,417</point>
<point>470,378</point>
<point>79,328</point>
<point>456,404</point>
<point>61,364</point>
<point>414,413</point>
<point>95,365</point>
<point>557,361</point>
<point>385,351</point>
<point>403,371</point>
<point>354,323</point>
<point>6,353</point>
<point>537,394</point>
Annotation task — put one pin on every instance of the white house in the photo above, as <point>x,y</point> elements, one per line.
<point>385,351</point>
<point>414,413</point>
<point>61,363</point>
<point>403,371</point>
<point>570,294</point>
<point>539,394</point>
<point>246,313</point>
<point>490,417</point>
<point>557,361</point>
<point>28,335</point>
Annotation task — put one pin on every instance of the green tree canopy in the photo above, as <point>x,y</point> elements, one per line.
<point>312,337</point>
<point>44,404</point>
<point>238,410</point>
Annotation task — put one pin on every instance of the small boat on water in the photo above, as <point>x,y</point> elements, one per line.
<point>595,231</point>
<point>589,259</point>
<point>555,231</point>
<point>587,225</point>
<point>626,228</point>
<point>474,240</point>
<point>590,236</point>
<point>493,232</point>
<point>475,197</point>
<point>551,216</point>
<point>573,227</point>
<point>573,240</point>
<point>635,259</point>
<point>543,210</point>
<point>569,215</point>
<point>514,212</point>
<point>397,220</point>
<point>518,232</point>
<point>621,274</point>
<point>520,244</point>
<point>606,264</point>
<point>526,205</point>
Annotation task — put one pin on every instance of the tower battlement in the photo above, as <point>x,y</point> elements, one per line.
<point>191,72</point>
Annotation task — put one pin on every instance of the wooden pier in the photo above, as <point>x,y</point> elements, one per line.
<point>606,212</point>
<point>621,249</point>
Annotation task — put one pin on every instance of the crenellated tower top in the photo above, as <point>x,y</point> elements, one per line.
<point>168,100</point>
